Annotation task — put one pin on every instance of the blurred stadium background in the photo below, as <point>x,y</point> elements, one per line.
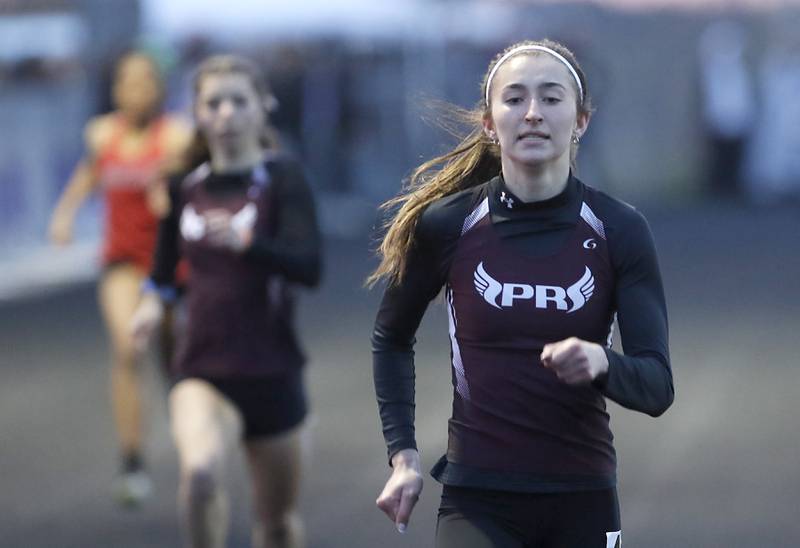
<point>354,79</point>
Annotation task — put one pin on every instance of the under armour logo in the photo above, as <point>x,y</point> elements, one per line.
<point>508,200</point>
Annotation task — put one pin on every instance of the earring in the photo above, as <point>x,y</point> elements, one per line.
<point>576,139</point>
<point>493,138</point>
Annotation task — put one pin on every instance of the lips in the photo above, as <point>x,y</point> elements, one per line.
<point>533,135</point>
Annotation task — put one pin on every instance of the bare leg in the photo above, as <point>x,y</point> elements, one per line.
<point>276,466</point>
<point>206,428</point>
<point>119,295</point>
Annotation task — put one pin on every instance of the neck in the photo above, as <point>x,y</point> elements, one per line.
<point>137,120</point>
<point>227,161</point>
<point>535,183</point>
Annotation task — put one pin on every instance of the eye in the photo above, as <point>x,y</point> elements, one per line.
<point>513,100</point>
<point>551,100</point>
<point>239,101</point>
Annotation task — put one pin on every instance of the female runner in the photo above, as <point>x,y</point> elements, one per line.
<point>245,221</point>
<point>536,265</point>
<point>128,151</point>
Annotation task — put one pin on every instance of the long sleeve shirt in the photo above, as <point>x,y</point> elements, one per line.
<point>516,277</point>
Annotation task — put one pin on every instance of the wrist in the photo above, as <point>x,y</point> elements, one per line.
<point>601,360</point>
<point>406,458</point>
<point>161,293</point>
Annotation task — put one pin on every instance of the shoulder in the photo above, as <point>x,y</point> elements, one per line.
<point>177,131</point>
<point>627,230</point>
<point>281,159</point>
<point>615,214</point>
<point>183,181</point>
<point>445,217</point>
<point>98,132</point>
<point>286,172</point>
<point>283,165</point>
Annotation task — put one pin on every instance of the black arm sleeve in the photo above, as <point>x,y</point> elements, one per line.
<point>398,318</point>
<point>641,379</point>
<point>167,251</point>
<point>295,248</point>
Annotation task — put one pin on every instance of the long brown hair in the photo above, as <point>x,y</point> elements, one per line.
<point>197,151</point>
<point>472,162</point>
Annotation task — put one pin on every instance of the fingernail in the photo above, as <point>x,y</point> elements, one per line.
<point>401,528</point>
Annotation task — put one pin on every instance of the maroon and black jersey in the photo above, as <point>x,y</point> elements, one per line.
<point>518,276</point>
<point>240,305</point>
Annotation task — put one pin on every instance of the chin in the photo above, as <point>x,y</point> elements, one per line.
<point>537,156</point>
<point>534,160</point>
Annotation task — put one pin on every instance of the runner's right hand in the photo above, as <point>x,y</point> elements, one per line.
<point>145,320</point>
<point>403,488</point>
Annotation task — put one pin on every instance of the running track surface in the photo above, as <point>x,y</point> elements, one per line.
<point>720,469</point>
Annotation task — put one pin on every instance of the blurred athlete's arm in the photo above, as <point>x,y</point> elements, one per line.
<point>81,184</point>
<point>295,249</point>
<point>177,137</point>
<point>160,287</point>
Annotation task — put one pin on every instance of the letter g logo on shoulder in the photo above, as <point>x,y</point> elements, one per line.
<point>589,244</point>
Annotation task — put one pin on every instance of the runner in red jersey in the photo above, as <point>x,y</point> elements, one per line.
<point>127,151</point>
<point>131,220</point>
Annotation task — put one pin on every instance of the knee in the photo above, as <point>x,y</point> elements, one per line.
<point>200,483</point>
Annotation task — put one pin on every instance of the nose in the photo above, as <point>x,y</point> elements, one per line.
<point>226,109</point>
<point>533,114</point>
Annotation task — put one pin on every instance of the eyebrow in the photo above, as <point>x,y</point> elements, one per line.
<point>549,85</point>
<point>545,85</point>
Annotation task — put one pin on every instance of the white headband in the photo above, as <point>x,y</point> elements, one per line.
<point>520,49</point>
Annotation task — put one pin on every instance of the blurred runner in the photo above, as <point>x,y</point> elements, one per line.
<point>127,151</point>
<point>245,220</point>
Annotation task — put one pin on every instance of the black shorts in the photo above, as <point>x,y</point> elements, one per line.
<point>269,406</point>
<point>480,518</point>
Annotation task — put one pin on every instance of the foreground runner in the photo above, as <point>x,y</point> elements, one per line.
<point>535,266</point>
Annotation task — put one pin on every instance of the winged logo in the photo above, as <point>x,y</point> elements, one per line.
<point>193,226</point>
<point>488,287</point>
<point>245,218</point>
<point>581,291</point>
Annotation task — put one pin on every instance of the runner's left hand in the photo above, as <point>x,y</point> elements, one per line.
<point>574,360</point>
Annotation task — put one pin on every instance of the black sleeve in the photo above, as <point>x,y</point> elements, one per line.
<point>641,378</point>
<point>399,316</point>
<point>295,248</point>
<point>401,311</point>
<point>167,251</point>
